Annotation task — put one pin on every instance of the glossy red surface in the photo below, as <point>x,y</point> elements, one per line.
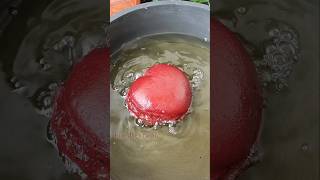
<point>163,93</point>
<point>236,103</point>
<point>79,120</point>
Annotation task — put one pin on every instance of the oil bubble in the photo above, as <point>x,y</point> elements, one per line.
<point>13,11</point>
<point>281,52</point>
<point>242,10</point>
<point>305,147</point>
<point>43,100</point>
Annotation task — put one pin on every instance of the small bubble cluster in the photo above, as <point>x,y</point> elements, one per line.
<point>280,54</point>
<point>241,10</point>
<point>197,78</point>
<point>305,147</point>
<point>44,65</point>
<point>44,100</point>
<point>13,11</point>
<point>67,41</point>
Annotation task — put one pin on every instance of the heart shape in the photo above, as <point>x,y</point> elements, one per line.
<point>162,94</point>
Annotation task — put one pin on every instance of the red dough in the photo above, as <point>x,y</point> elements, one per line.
<point>236,103</point>
<point>162,94</point>
<point>79,122</point>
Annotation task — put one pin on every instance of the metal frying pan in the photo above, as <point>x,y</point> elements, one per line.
<point>147,19</point>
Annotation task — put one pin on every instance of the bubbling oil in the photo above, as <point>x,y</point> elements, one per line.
<point>38,62</point>
<point>181,151</point>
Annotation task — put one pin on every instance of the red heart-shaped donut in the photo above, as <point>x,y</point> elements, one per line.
<point>162,94</point>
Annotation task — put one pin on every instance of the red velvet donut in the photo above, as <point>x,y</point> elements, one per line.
<point>236,103</point>
<point>79,121</point>
<point>163,93</point>
<point>79,118</point>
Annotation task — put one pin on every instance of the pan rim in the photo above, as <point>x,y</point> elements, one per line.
<point>155,4</point>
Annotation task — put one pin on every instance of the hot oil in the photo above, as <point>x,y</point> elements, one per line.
<point>37,55</point>
<point>282,38</point>
<point>156,153</point>
<point>32,69</point>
